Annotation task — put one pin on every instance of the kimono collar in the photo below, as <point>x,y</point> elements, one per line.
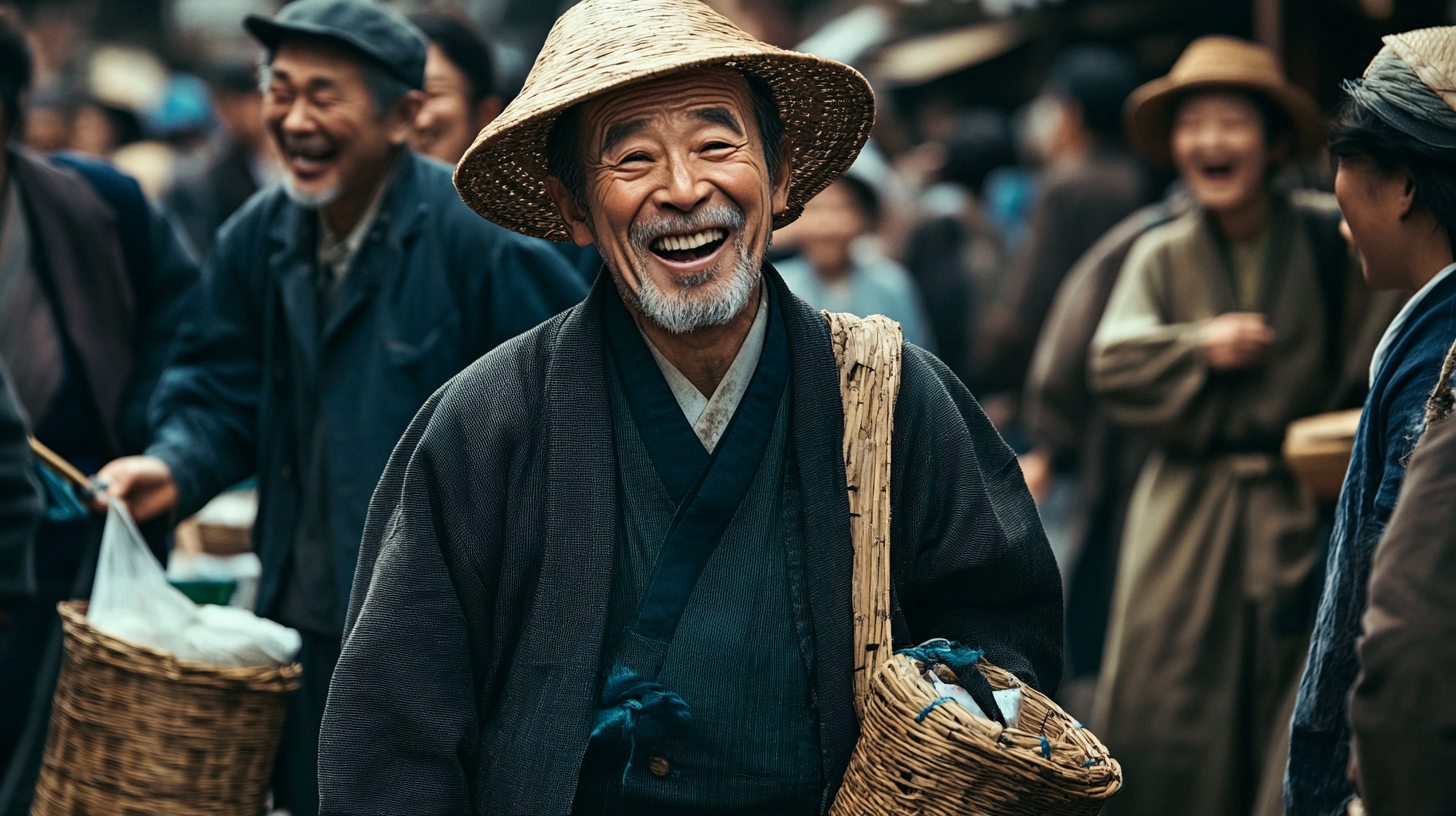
<point>709,416</point>
<point>679,443</point>
<point>1394,329</point>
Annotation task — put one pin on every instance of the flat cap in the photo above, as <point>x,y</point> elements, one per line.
<point>381,34</point>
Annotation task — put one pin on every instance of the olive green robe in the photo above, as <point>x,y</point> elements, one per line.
<point>1210,616</point>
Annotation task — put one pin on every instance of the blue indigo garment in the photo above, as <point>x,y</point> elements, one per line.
<point>1393,421</point>
<point>751,745</point>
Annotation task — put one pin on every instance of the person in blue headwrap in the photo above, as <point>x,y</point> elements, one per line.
<point>1395,144</point>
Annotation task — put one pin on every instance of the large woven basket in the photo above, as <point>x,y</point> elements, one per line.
<point>135,731</point>
<point>915,756</point>
<point>918,754</point>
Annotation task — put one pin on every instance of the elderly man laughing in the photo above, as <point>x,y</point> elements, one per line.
<point>511,598</point>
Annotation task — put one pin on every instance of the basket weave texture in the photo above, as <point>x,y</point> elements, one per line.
<point>949,761</point>
<point>136,731</point>
<point>918,754</point>
<point>599,46</point>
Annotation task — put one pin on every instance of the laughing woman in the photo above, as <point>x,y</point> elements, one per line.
<point>1225,325</point>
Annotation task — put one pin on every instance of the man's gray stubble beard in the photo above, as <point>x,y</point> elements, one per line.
<point>310,201</point>
<point>675,312</point>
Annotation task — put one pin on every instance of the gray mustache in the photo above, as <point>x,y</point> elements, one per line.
<point>721,216</point>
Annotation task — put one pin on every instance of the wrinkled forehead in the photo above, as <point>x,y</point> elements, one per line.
<point>668,97</point>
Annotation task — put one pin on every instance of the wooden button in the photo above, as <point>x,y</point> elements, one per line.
<point>659,766</point>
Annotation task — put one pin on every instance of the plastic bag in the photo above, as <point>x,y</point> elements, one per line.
<point>132,600</point>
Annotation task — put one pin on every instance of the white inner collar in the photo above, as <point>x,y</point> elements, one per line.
<point>709,416</point>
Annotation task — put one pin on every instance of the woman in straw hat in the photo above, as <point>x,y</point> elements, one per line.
<point>1395,143</point>
<point>1225,324</point>
<point>609,567</point>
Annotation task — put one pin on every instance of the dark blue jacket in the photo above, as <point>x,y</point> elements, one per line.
<point>433,287</point>
<point>1319,748</point>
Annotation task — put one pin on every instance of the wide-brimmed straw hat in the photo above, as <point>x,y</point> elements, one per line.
<point>1217,63</point>
<point>599,46</point>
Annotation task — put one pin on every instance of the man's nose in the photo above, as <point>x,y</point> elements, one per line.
<point>297,119</point>
<point>685,189</point>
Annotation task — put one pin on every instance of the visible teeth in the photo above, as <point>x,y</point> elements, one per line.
<point>677,243</point>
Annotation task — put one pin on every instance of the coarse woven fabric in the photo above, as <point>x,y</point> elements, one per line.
<point>471,664</point>
<point>1391,424</point>
<point>751,745</point>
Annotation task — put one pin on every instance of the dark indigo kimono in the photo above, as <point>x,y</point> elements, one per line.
<point>1393,421</point>
<point>470,672</point>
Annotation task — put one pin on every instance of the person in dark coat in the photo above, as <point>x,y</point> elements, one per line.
<point>518,640</point>
<point>21,505</point>
<point>1396,184</point>
<point>333,307</point>
<point>93,284</point>
<point>1091,182</point>
<point>1403,706</point>
<point>210,184</point>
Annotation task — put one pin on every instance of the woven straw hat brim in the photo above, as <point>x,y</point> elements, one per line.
<point>1150,110</point>
<point>827,107</point>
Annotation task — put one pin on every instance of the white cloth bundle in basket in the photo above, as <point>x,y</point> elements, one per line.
<point>132,600</point>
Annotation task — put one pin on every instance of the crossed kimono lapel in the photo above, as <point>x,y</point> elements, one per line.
<point>706,488</point>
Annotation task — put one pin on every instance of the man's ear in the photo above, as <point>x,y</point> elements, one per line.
<point>782,178</point>
<point>400,122</point>
<point>576,220</point>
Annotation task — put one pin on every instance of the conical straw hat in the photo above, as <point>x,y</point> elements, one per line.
<point>1219,63</point>
<point>1431,54</point>
<point>599,46</point>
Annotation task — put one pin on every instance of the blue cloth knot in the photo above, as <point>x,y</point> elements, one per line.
<point>634,710</point>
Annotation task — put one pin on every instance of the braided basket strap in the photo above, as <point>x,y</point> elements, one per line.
<point>868,353</point>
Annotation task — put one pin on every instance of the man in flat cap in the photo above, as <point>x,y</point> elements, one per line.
<point>332,308</point>
<point>523,636</point>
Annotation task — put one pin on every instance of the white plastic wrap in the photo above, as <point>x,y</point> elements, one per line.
<point>132,600</point>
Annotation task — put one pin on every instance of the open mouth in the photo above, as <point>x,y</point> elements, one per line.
<point>689,248</point>
<point>1218,171</point>
<point>311,160</point>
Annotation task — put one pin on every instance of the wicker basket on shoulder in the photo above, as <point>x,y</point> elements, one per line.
<point>918,754</point>
<point>136,731</point>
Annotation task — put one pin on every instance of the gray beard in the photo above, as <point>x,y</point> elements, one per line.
<point>310,201</point>
<point>684,308</point>
<point>679,313</point>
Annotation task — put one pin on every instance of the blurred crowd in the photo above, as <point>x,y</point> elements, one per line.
<point>1143,277</point>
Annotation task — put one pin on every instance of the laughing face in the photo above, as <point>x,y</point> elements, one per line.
<point>679,197</point>
<point>322,116</point>
<point>1221,149</point>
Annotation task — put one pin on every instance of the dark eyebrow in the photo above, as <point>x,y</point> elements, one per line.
<point>719,116</point>
<point>621,130</point>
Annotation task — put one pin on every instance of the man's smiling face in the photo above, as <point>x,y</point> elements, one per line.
<point>320,112</point>
<point>679,196</point>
